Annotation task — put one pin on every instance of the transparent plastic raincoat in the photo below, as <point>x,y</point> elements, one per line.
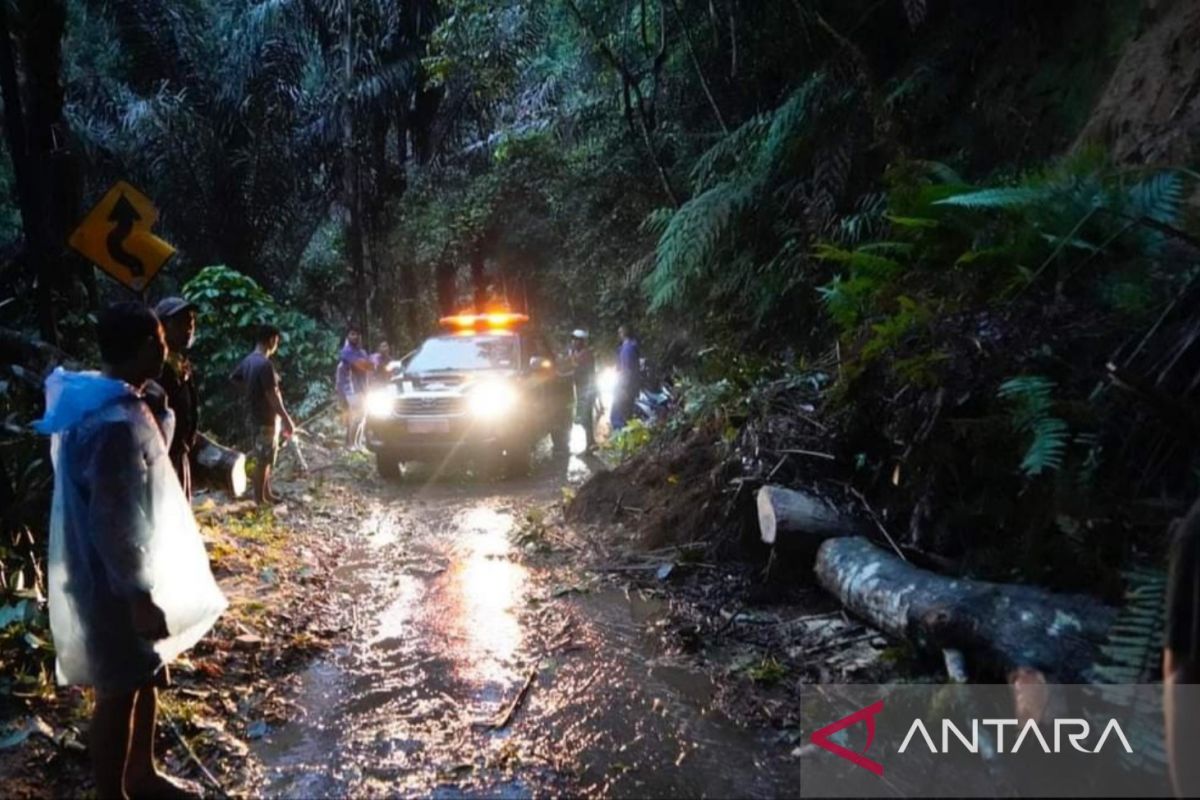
<point>119,525</point>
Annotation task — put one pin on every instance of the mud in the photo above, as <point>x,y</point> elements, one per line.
<point>481,666</point>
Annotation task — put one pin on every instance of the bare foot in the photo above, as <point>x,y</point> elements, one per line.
<point>164,787</point>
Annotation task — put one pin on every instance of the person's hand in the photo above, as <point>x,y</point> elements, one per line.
<point>155,397</point>
<point>148,619</point>
<point>289,427</point>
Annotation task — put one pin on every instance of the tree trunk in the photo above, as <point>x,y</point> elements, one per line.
<point>1006,627</point>
<point>354,228</point>
<point>478,280</point>
<point>31,184</point>
<point>790,517</point>
<point>447,287</point>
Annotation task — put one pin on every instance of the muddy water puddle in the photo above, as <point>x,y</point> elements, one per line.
<point>447,630</point>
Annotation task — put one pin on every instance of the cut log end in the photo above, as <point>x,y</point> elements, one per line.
<point>219,467</point>
<point>767,522</point>
<point>789,516</point>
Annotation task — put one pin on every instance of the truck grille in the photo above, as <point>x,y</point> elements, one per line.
<point>428,406</point>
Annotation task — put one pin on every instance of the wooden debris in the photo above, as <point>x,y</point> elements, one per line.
<point>1005,626</point>
<point>795,517</point>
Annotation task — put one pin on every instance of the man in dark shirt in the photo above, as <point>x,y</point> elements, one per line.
<point>258,378</point>
<point>628,378</point>
<point>178,318</point>
<point>1181,656</point>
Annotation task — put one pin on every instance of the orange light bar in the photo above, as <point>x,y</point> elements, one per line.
<point>490,320</point>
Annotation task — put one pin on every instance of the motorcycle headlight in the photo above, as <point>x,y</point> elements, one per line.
<point>492,400</point>
<point>606,383</point>
<point>381,402</point>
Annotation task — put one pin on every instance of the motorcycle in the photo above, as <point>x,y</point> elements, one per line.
<point>653,406</point>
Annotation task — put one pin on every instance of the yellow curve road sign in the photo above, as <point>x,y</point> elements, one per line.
<point>116,237</point>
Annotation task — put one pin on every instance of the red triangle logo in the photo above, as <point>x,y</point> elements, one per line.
<point>821,738</point>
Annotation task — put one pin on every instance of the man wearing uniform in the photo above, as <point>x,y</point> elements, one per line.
<point>584,363</point>
<point>178,318</point>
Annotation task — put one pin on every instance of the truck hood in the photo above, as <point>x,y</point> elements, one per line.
<point>448,382</point>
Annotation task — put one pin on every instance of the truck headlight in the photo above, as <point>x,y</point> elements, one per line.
<point>381,402</point>
<point>492,400</point>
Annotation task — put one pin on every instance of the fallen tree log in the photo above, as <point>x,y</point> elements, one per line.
<point>999,626</point>
<point>216,466</point>
<point>788,516</point>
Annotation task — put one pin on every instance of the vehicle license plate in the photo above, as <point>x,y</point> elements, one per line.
<point>429,426</point>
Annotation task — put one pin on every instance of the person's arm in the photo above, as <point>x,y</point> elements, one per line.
<point>275,399</point>
<point>120,524</point>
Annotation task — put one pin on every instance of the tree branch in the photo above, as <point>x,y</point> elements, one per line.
<point>687,38</point>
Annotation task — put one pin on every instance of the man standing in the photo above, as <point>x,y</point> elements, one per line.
<point>258,378</point>
<point>380,360</point>
<point>178,318</point>
<point>354,366</point>
<point>629,367</point>
<point>584,363</point>
<point>128,578</point>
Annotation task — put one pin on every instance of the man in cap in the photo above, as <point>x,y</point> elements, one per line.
<point>584,362</point>
<point>178,318</point>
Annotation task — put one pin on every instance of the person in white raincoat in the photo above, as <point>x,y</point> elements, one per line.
<point>129,581</point>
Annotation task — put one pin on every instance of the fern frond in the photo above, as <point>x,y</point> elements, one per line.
<point>1010,197</point>
<point>787,122</point>
<point>1159,197</point>
<point>1050,437</point>
<point>736,147</point>
<point>1135,639</point>
<point>1031,399</point>
<point>657,220</point>
<point>860,260</point>
<point>690,239</point>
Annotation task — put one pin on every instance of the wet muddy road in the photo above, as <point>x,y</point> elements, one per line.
<point>451,625</point>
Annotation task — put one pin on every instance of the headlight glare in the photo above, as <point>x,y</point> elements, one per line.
<point>492,400</point>
<point>381,402</point>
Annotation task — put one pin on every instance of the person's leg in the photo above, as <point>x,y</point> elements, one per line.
<point>271,453</point>
<point>140,772</point>
<point>262,467</point>
<point>258,480</point>
<point>109,741</point>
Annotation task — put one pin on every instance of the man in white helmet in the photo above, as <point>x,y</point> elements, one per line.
<point>584,363</point>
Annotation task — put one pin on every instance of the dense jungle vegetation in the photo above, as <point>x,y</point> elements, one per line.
<point>960,239</point>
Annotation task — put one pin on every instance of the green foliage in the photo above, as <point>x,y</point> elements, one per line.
<point>26,649</point>
<point>721,246</point>
<point>1134,645</point>
<point>767,671</point>
<point>945,244</point>
<point>231,307</point>
<point>630,440</point>
<point>1031,399</point>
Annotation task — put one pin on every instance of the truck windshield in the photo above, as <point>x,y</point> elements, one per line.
<point>453,353</point>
